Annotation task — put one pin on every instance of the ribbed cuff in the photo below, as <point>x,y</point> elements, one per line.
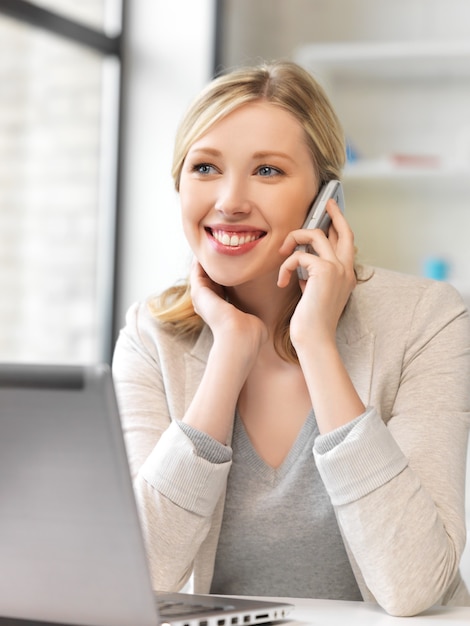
<point>325,443</point>
<point>177,472</point>
<point>366,459</point>
<point>206,446</point>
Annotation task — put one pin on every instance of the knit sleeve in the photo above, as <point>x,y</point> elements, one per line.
<point>177,490</point>
<point>398,485</point>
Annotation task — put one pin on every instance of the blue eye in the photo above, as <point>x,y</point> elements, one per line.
<point>204,168</point>
<point>267,171</point>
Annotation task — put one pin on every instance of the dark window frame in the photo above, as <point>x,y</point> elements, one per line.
<point>72,30</point>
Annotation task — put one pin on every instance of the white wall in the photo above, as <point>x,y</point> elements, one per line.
<point>168,59</point>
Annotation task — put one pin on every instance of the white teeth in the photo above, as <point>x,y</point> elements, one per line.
<point>233,240</point>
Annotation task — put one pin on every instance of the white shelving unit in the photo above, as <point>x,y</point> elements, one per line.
<point>405,108</point>
<point>387,168</point>
<point>401,59</point>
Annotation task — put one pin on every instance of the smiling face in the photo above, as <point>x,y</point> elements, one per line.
<point>245,184</point>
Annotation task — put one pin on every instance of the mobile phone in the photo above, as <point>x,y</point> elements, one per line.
<point>318,217</point>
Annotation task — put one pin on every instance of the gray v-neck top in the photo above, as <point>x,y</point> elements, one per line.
<point>279,534</point>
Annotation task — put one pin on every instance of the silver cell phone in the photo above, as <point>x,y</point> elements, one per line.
<point>318,217</point>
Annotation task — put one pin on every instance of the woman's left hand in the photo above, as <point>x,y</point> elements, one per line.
<point>331,277</point>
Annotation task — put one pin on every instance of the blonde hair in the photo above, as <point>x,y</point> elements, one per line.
<point>290,87</point>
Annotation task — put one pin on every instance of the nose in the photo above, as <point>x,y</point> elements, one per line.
<point>233,198</point>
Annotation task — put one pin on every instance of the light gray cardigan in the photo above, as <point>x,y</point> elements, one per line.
<point>397,481</point>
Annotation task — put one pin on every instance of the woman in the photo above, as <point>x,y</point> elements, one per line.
<point>287,437</point>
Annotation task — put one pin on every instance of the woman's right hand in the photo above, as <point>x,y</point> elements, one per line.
<point>238,338</point>
<point>235,328</point>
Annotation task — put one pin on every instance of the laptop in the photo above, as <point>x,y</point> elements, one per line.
<point>71,547</point>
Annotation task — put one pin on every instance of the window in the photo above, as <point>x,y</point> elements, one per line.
<point>58,161</point>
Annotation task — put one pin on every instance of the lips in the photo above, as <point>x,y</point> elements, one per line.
<point>234,241</point>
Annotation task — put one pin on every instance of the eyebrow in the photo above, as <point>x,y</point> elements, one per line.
<point>271,153</point>
<point>206,151</point>
<point>262,154</point>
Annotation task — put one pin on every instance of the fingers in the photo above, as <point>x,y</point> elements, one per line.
<point>341,236</point>
<point>204,290</point>
<point>338,247</point>
<point>200,278</point>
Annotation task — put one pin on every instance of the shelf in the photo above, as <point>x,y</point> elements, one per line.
<point>400,60</point>
<point>388,168</point>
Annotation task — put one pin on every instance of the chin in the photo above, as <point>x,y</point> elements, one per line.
<point>223,281</point>
<point>223,278</point>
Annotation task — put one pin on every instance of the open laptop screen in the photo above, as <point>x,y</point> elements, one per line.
<point>70,545</point>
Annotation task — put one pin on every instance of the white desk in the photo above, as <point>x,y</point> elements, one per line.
<point>338,613</point>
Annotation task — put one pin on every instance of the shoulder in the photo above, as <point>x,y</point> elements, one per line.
<point>383,285</point>
<point>386,297</point>
<point>143,332</point>
<point>379,279</point>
